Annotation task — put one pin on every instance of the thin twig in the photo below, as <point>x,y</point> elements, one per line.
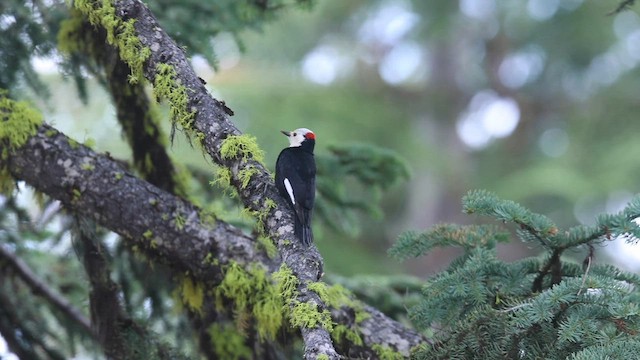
<point>40,288</point>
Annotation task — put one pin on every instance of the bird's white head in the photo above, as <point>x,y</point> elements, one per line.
<point>297,136</point>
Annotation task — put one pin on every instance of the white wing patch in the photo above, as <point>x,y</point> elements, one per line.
<point>287,185</point>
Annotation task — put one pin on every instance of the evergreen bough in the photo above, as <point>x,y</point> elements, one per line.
<point>539,307</point>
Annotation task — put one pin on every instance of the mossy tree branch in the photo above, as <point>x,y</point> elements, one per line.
<point>145,46</point>
<point>99,188</point>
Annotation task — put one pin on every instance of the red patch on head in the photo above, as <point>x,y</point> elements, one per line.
<point>310,136</point>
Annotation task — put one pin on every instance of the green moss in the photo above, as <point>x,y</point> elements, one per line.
<point>245,175</point>
<point>341,332</point>
<point>192,294</point>
<point>228,342</point>
<point>87,166</point>
<point>51,132</point>
<point>166,86</point>
<point>287,283</point>
<point>223,181</point>
<point>254,294</point>
<point>260,215</point>
<point>241,147</point>
<point>147,234</point>
<point>76,194</point>
<point>236,285</point>
<point>386,353</point>
<point>120,33</point>
<point>69,36</point>
<point>268,246</point>
<point>73,144</point>
<point>90,143</point>
<point>307,315</point>
<point>180,221</point>
<point>323,357</point>
<point>19,122</point>
<point>118,176</point>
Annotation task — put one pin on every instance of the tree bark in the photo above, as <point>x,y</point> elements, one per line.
<point>99,188</point>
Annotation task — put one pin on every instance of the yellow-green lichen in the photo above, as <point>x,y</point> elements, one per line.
<point>287,283</point>
<point>228,342</point>
<point>147,234</point>
<point>73,144</point>
<point>307,315</point>
<point>19,122</point>
<point>87,166</point>
<point>223,181</point>
<point>253,293</point>
<point>268,246</point>
<point>323,357</point>
<point>210,259</point>
<point>121,34</point>
<point>180,221</point>
<point>192,294</point>
<point>336,296</point>
<point>241,147</point>
<point>260,215</point>
<point>76,194</point>
<point>90,143</point>
<point>69,36</point>
<point>245,175</point>
<point>386,353</point>
<point>118,176</point>
<point>341,332</point>
<point>166,86</point>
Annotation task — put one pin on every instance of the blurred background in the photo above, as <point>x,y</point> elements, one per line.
<point>535,100</point>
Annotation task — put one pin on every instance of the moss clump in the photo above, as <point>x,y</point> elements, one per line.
<point>268,246</point>
<point>323,357</point>
<point>192,294</point>
<point>336,296</point>
<point>255,295</point>
<point>341,332</point>
<point>180,221</point>
<point>287,283</point>
<point>121,34</point>
<point>307,315</point>
<point>166,86</point>
<point>228,342</point>
<point>386,353</point>
<point>245,175</point>
<point>260,215</point>
<point>18,122</point>
<point>241,147</point>
<point>147,234</point>
<point>223,181</point>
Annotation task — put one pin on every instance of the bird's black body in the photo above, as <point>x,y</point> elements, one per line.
<point>296,165</point>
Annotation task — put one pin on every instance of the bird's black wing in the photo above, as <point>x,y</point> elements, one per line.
<point>298,168</point>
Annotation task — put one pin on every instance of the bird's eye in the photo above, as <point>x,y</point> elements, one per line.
<point>294,134</point>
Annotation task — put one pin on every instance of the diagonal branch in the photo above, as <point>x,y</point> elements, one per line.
<point>162,225</point>
<point>99,188</point>
<point>205,119</point>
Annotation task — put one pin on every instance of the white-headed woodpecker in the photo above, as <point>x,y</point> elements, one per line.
<point>296,179</point>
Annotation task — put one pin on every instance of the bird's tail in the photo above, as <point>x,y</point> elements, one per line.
<point>303,230</point>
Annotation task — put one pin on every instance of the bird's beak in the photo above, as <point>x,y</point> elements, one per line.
<point>287,133</point>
